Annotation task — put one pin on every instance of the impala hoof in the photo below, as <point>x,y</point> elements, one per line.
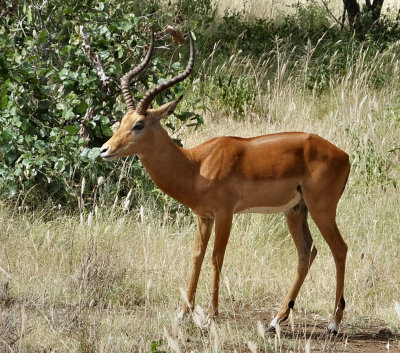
<point>204,323</point>
<point>181,316</point>
<point>209,320</point>
<point>272,325</point>
<point>333,328</point>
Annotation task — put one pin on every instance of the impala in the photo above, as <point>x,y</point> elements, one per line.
<point>293,172</point>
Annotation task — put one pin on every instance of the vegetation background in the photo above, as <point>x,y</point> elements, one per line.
<point>93,257</point>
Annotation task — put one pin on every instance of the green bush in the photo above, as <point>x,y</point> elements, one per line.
<point>55,112</point>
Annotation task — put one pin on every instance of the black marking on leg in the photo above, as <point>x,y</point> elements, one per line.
<point>291,304</point>
<point>342,303</point>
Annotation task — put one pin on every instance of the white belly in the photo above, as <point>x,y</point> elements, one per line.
<point>273,209</point>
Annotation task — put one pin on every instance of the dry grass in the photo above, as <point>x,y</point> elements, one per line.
<point>114,283</point>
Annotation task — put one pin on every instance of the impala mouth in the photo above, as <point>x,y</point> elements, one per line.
<point>109,157</point>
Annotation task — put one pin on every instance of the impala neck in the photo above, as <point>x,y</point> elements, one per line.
<point>170,167</point>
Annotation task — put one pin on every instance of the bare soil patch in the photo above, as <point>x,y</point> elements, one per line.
<point>310,335</point>
<point>373,338</point>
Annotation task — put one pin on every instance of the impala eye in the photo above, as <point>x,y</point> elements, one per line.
<point>139,125</point>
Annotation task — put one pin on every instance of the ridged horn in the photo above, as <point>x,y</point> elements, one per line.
<point>147,99</point>
<point>126,79</point>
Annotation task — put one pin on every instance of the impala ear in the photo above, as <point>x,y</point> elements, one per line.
<point>165,110</point>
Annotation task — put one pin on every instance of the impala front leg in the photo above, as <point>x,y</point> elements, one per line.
<point>223,223</point>
<point>204,228</point>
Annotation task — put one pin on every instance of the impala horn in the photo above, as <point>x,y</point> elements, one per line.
<point>147,99</point>
<point>126,79</point>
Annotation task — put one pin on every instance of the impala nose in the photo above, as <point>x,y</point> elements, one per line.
<point>105,153</point>
<point>104,149</point>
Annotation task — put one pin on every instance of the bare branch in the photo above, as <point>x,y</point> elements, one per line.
<point>84,129</point>
<point>94,58</point>
<point>330,12</point>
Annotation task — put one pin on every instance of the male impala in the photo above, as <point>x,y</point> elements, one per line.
<point>291,172</point>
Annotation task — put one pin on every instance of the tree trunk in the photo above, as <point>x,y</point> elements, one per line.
<point>375,9</point>
<point>353,10</point>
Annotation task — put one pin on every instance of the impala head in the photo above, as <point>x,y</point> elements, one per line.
<point>138,126</point>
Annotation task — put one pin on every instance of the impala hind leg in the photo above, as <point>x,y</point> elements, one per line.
<point>203,232</point>
<point>326,223</point>
<point>323,212</point>
<point>321,193</point>
<point>296,219</point>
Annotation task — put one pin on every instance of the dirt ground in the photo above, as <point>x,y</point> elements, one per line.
<point>370,339</point>
<point>312,336</point>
